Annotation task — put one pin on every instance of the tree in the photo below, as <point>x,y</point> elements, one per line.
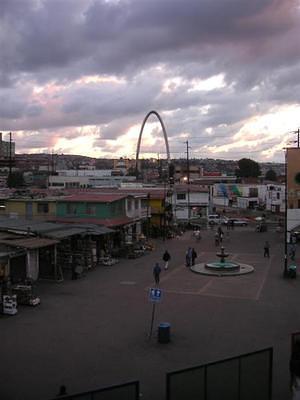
<point>248,168</point>
<point>15,180</point>
<point>271,175</point>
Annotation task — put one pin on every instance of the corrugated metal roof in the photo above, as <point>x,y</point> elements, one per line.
<point>93,197</point>
<point>52,229</point>
<point>106,222</point>
<point>20,224</point>
<point>29,243</point>
<point>72,230</point>
<point>64,233</point>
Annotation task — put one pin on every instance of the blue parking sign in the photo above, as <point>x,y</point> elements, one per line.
<point>155,294</point>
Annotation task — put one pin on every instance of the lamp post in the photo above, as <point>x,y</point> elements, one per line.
<point>148,216</point>
<point>164,210</point>
<point>188,180</point>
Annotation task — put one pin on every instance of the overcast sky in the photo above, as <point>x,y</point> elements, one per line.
<point>79,76</point>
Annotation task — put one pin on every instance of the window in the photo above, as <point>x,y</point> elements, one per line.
<point>136,204</point>
<point>180,196</point>
<point>60,184</point>
<point>278,196</point>
<point>71,209</point>
<point>253,192</point>
<point>43,208</point>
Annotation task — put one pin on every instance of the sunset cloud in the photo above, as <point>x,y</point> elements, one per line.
<point>223,74</point>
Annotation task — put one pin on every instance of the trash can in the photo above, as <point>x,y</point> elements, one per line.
<point>164,332</point>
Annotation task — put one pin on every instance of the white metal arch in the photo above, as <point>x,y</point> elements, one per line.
<point>141,133</point>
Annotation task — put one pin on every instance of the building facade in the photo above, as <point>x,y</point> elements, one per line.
<point>293,189</point>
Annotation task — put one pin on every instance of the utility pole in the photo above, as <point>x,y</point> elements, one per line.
<point>10,154</point>
<point>188,179</point>
<point>298,137</point>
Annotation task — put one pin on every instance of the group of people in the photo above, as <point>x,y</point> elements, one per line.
<point>219,236</point>
<point>157,269</point>
<point>190,257</point>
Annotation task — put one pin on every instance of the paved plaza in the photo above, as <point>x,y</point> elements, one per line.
<point>93,332</point>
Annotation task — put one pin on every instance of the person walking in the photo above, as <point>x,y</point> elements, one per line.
<point>188,257</point>
<point>194,256</point>
<point>156,273</point>
<point>267,249</point>
<point>221,234</point>
<point>166,259</point>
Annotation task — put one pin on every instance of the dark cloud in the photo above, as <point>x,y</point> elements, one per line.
<point>54,44</point>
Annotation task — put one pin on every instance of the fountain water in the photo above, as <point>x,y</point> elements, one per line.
<point>223,264</point>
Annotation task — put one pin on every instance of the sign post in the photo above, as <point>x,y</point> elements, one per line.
<point>155,295</point>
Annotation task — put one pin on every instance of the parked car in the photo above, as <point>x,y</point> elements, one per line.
<point>217,219</point>
<point>237,221</point>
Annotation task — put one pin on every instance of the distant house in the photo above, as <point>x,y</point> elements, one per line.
<point>275,198</point>
<point>28,207</point>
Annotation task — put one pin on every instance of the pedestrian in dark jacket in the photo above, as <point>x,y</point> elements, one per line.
<point>166,259</point>
<point>156,273</point>
<point>188,257</point>
<point>267,249</point>
<point>194,256</point>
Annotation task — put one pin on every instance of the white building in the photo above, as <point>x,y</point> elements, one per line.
<point>189,202</point>
<point>80,179</point>
<point>249,195</point>
<point>275,198</point>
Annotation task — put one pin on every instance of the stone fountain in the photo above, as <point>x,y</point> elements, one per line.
<point>223,264</point>
<point>222,267</point>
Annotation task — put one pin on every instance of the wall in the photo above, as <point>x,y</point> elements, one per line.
<point>19,208</point>
<point>102,210</point>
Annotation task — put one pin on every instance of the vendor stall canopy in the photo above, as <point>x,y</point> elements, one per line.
<point>50,229</point>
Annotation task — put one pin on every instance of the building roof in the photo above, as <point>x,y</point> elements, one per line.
<point>29,243</point>
<point>191,188</point>
<point>97,221</point>
<point>93,197</point>
<point>85,229</point>
<point>154,193</point>
<point>51,229</point>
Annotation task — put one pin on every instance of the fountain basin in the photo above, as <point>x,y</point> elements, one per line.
<point>222,267</point>
<point>225,266</point>
<point>215,271</point>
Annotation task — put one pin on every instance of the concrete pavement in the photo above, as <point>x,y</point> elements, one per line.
<point>93,332</point>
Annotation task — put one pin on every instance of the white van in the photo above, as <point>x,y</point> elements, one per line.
<point>214,219</point>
